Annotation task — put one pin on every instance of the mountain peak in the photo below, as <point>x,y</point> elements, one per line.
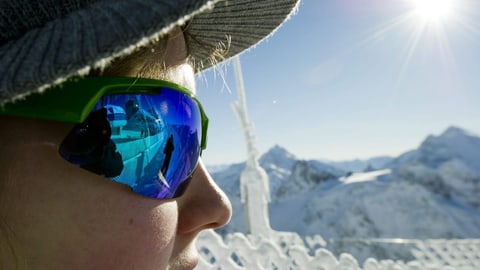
<point>453,132</point>
<point>450,136</point>
<point>279,156</point>
<point>453,143</point>
<point>279,150</point>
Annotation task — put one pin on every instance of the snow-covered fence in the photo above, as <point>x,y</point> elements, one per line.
<point>460,254</point>
<point>289,252</point>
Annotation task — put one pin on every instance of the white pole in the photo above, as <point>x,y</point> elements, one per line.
<point>254,182</point>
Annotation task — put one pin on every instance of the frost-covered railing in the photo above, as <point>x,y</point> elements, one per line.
<point>460,254</point>
<point>289,252</point>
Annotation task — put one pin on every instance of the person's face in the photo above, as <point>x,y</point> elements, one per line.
<point>64,217</point>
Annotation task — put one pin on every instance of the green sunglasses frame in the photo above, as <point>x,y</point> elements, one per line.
<point>73,100</point>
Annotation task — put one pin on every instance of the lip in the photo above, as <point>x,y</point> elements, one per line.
<point>193,263</point>
<point>189,264</point>
<point>186,261</point>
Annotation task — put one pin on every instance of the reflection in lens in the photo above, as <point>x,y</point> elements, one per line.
<point>158,137</point>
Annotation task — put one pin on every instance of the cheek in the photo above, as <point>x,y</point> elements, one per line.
<point>73,219</point>
<point>123,235</point>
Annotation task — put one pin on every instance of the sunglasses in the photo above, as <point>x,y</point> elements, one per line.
<point>146,134</point>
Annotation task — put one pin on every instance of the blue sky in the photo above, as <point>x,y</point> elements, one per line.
<point>350,79</point>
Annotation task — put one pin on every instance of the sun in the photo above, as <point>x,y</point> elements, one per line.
<point>433,10</point>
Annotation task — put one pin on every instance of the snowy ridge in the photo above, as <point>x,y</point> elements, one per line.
<point>358,165</point>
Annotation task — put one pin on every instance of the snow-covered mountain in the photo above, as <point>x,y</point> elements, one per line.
<point>429,192</point>
<point>453,144</point>
<point>446,165</point>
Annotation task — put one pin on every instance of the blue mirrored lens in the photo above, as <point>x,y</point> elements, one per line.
<point>151,143</point>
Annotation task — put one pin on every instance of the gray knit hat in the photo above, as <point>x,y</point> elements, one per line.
<point>44,42</point>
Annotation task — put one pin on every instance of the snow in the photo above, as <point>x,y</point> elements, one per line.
<point>364,177</point>
<point>427,193</point>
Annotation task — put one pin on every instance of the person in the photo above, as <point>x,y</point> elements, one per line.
<point>168,151</point>
<point>63,60</point>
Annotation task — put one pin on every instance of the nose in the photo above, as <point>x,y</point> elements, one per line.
<point>203,205</point>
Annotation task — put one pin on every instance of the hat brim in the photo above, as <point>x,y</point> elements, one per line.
<point>93,36</point>
<point>236,26</point>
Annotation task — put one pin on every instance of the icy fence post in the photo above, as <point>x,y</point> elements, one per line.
<point>280,252</point>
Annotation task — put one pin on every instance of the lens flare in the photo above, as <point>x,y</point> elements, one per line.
<point>433,10</point>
